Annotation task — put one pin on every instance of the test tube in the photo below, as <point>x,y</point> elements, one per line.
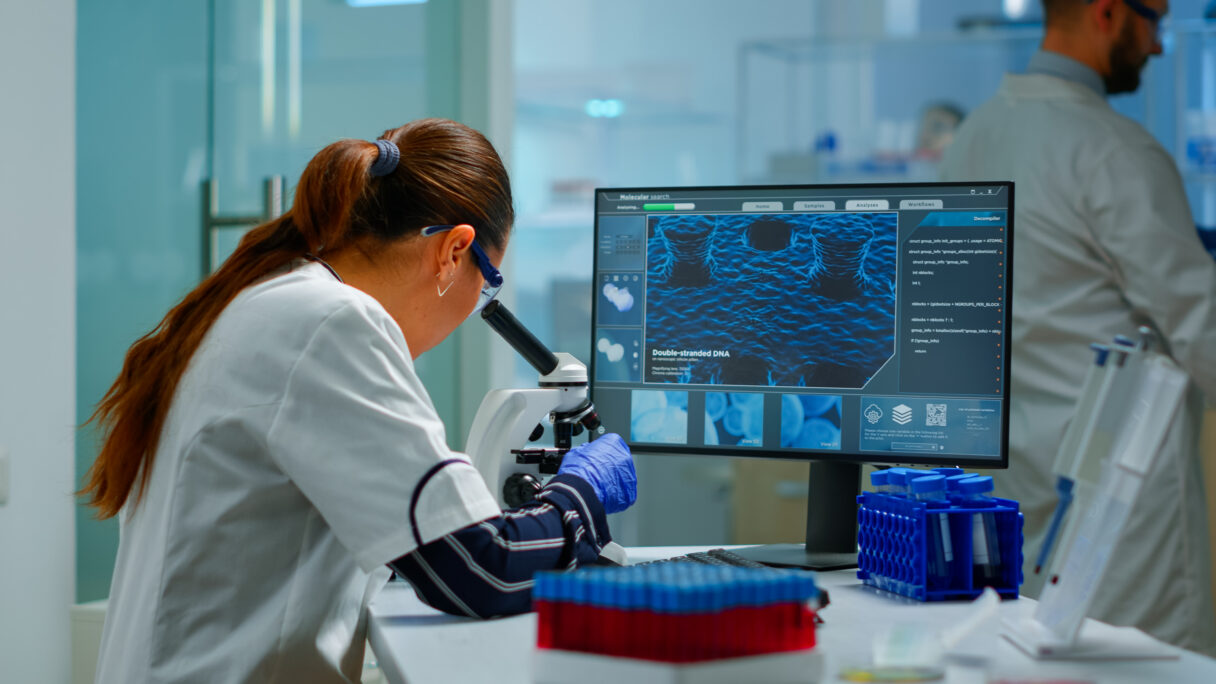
<point>939,546</point>
<point>878,478</point>
<point>897,481</point>
<point>911,474</point>
<point>901,479</point>
<point>985,546</point>
<point>952,481</point>
<point>949,472</point>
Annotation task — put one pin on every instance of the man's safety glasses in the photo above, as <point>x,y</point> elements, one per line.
<point>491,276</point>
<point>1152,16</point>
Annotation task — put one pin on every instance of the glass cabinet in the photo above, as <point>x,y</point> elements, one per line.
<point>881,109</point>
<point>824,110</point>
<point>1194,140</point>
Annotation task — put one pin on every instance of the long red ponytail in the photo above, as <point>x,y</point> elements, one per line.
<point>448,173</point>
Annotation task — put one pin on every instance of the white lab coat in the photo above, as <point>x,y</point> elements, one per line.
<point>281,487</point>
<point>1103,242</point>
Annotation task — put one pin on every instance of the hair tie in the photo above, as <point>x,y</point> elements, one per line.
<point>387,156</point>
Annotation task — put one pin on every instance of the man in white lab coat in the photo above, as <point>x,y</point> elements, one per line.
<point>1104,241</point>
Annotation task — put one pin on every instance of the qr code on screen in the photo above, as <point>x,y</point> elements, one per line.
<point>935,415</point>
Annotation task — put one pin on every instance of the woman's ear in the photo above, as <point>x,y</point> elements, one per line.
<point>453,247</point>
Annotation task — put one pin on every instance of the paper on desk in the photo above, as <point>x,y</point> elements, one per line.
<point>915,644</point>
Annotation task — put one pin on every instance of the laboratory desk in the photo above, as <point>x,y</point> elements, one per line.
<point>416,644</point>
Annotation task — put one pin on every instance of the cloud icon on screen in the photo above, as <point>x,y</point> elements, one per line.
<point>619,296</point>
<point>614,352</point>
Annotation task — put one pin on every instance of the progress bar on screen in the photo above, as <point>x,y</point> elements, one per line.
<point>670,206</point>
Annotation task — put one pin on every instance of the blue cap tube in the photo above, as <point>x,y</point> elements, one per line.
<point>879,479</point>
<point>975,486</point>
<point>928,487</point>
<point>897,481</point>
<point>938,541</point>
<point>985,544</point>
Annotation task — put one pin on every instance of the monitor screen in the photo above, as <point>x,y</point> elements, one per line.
<point>859,323</point>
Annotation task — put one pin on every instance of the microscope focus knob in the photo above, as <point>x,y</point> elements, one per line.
<point>519,489</point>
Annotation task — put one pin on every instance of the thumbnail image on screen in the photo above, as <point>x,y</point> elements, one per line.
<point>618,355</point>
<point>659,417</point>
<point>810,421</point>
<point>785,300</point>
<point>734,418</point>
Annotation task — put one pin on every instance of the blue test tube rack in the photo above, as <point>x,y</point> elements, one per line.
<point>893,548</point>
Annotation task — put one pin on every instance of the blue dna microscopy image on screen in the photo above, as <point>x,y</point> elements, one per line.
<point>734,418</point>
<point>658,417</point>
<point>810,421</point>
<point>787,300</point>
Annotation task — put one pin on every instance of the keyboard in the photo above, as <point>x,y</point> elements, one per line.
<point>710,557</point>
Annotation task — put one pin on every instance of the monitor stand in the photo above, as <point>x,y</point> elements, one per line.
<point>831,523</point>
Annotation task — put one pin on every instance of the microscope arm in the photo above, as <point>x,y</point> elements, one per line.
<point>507,418</point>
<point>504,421</point>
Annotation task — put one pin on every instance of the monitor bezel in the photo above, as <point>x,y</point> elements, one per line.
<point>810,455</point>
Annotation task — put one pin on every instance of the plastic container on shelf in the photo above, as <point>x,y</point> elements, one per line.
<point>893,545</point>
<point>1207,235</point>
<point>1200,135</point>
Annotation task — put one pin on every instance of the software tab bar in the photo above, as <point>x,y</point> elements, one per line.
<point>921,204</point>
<point>867,205</point>
<point>763,206</point>
<point>814,206</point>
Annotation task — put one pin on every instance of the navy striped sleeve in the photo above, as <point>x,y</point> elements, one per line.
<point>485,570</point>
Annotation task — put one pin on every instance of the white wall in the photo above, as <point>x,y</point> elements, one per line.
<point>37,335</point>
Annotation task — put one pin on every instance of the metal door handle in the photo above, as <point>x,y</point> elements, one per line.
<point>272,207</point>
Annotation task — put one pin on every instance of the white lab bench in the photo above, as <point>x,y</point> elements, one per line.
<point>417,644</point>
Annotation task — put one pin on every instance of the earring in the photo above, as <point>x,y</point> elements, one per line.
<point>452,277</point>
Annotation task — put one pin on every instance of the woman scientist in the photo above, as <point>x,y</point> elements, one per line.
<point>269,448</point>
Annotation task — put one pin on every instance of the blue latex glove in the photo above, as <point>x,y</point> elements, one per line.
<point>607,466</point>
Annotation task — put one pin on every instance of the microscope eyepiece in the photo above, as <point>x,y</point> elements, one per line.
<point>508,326</point>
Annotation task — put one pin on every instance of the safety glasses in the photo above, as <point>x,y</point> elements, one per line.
<point>492,278</point>
<point>1149,14</point>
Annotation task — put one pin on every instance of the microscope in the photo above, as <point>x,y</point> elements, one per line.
<point>509,417</point>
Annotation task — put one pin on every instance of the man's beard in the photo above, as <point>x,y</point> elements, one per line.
<point>1125,63</point>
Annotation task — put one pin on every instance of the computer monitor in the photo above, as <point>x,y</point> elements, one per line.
<point>837,324</point>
